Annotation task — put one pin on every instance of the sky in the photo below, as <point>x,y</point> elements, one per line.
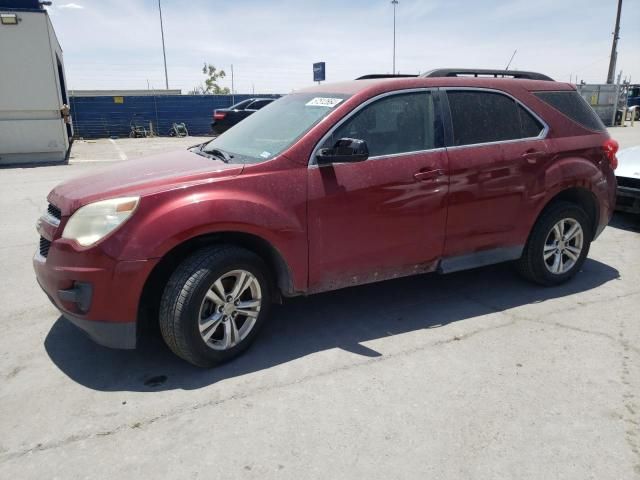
<point>116,44</point>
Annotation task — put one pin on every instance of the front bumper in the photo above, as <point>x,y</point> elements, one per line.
<point>108,334</point>
<point>628,199</point>
<point>96,293</point>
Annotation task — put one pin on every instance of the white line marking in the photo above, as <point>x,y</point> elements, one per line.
<point>121,154</point>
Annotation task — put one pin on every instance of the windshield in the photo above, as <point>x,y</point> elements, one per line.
<point>275,127</point>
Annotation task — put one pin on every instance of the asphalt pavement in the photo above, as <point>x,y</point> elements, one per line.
<point>473,375</point>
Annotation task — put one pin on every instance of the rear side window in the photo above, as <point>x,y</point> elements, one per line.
<point>571,104</point>
<point>481,117</point>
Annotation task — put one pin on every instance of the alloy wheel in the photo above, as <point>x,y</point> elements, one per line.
<point>229,309</point>
<point>563,246</point>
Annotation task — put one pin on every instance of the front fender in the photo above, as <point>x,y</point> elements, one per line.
<point>270,206</point>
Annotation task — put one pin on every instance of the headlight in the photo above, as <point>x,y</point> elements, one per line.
<point>93,222</point>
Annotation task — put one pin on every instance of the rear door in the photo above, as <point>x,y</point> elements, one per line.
<point>385,216</point>
<point>494,151</point>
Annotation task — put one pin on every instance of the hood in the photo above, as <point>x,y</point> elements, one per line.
<point>629,163</point>
<point>140,177</point>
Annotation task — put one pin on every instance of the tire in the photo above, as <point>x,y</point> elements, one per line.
<point>533,265</point>
<point>188,304</point>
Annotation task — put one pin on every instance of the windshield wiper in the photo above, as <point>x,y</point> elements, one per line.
<point>222,155</point>
<point>213,153</point>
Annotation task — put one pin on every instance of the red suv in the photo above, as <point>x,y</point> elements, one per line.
<point>337,185</point>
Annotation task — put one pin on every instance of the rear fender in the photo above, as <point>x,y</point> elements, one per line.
<point>573,174</point>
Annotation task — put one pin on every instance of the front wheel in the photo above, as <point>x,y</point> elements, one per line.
<point>558,245</point>
<point>214,304</point>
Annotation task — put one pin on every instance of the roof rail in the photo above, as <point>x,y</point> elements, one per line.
<point>384,75</point>
<point>476,72</point>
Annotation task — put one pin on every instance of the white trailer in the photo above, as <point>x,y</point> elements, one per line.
<point>35,126</point>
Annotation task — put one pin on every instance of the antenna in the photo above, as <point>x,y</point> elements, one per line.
<point>511,59</point>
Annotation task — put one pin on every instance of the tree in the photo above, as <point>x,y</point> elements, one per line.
<point>210,84</point>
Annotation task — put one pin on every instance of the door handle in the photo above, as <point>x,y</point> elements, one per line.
<point>424,176</point>
<point>533,155</point>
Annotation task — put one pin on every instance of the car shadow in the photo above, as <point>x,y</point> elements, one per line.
<point>626,221</point>
<point>305,325</point>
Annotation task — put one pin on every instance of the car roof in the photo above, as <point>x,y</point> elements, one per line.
<point>379,85</point>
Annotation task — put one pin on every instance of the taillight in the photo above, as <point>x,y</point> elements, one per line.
<point>610,148</point>
<point>219,115</point>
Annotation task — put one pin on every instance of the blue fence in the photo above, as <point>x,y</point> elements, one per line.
<point>100,117</point>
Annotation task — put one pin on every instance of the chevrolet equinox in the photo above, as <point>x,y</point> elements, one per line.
<point>333,186</point>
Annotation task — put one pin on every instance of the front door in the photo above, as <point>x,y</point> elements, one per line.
<point>383,217</point>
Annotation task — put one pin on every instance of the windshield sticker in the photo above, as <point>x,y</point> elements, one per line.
<point>265,154</point>
<point>323,102</point>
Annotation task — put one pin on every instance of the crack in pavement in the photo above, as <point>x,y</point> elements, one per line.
<point>629,415</point>
<point>578,306</point>
<point>513,317</point>
<point>584,330</point>
<point>239,396</point>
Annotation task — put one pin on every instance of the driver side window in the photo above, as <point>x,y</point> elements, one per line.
<point>400,123</point>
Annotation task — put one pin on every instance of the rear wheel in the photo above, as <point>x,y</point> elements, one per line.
<point>557,246</point>
<point>214,304</point>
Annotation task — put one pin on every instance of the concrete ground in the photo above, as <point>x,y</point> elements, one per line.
<point>627,136</point>
<point>472,375</point>
<point>109,150</point>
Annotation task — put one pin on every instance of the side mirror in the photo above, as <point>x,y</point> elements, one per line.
<point>344,150</point>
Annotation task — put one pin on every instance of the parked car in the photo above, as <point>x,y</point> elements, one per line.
<point>330,187</point>
<point>628,177</point>
<point>633,100</point>
<point>225,118</point>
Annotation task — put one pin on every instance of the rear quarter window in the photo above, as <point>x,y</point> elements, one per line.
<point>572,105</point>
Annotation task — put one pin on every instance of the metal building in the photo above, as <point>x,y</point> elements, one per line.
<point>35,126</point>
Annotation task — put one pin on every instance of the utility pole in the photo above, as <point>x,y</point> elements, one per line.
<point>164,55</point>
<point>394,3</point>
<point>614,47</point>
<point>233,92</point>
